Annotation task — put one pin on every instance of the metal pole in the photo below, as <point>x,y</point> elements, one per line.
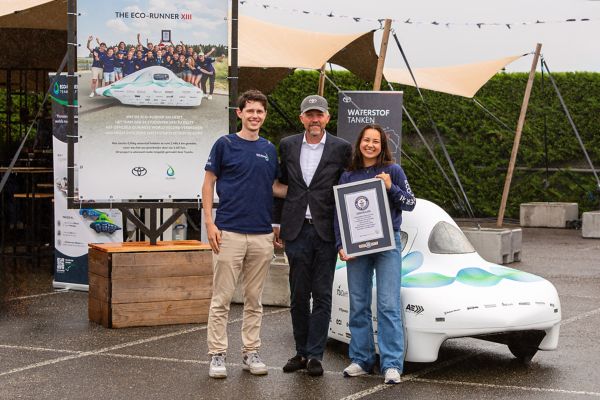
<point>71,79</point>
<point>515,149</point>
<point>568,114</point>
<point>8,112</point>
<point>233,68</point>
<point>547,176</point>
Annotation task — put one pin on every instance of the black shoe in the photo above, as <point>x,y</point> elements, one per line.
<point>294,364</point>
<point>314,367</point>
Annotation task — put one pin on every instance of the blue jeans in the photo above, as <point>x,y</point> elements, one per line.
<point>387,266</point>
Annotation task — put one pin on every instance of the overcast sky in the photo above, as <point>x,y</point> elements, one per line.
<point>567,46</point>
<point>100,19</point>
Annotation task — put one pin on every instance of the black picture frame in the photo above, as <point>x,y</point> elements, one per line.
<point>165,36</point>
<point>366,228</point>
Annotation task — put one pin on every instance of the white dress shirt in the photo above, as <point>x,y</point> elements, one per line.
<point>310,156</point>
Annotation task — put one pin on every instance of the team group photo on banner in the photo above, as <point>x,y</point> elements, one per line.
<point>323,200</point>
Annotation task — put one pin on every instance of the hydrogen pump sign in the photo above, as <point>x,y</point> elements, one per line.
<point>359,108</point>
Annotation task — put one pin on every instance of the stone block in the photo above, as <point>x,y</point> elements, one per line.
<point>516,240</point>
<point>548,215</point>
<point>590,225</point>
<point>494,245</point>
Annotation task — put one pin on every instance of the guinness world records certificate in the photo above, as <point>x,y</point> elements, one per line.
<point>364,217</point>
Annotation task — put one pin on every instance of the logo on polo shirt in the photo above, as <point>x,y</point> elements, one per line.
<point>265,156</point>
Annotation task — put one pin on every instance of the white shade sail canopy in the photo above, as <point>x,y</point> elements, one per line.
<point>34,14</point>
<point>268,52</point>
<point>266,45</point>
<point>460,80</point>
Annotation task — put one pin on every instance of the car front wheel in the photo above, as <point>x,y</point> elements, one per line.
<point>523,353</point>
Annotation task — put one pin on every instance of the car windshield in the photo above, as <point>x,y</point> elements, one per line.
<point>446,238</point>
<point>403,240</point>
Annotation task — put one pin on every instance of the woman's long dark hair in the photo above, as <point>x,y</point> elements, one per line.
<point>384,158</point>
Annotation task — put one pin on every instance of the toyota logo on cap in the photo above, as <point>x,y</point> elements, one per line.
<point>314,102</point>
<point>139,171</point>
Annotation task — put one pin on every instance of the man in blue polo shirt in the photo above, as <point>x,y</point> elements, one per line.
<point>97,72</point>
<point>205,64</point>
<point>129,64</point>
<point>139,61</point>
<point>159,60</point>
<point>244,168</point>
<point>149,48</point>
<point>149,60</point>
<point>108,61</point>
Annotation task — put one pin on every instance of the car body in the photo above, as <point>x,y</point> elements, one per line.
<point>450,291</point>
<point>153,86</point>
<point>91,213</point>
<point>104,224</point>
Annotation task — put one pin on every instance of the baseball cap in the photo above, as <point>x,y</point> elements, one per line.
<point>314,102</point>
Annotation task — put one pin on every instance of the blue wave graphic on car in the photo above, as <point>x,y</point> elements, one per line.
<point>117,86</point>
<point>472,276</point>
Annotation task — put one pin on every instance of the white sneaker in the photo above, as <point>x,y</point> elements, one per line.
<point>354,370</point>
<point>217,366</point>
<point>392,376</point>
<point>254,364</point>
<point>92,94</point>
<point>209,97</point>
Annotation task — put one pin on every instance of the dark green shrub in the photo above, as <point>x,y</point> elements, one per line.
<point>479,146</point>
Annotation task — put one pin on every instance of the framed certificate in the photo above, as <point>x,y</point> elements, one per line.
<point>165,36</point>
<point>364,217</point>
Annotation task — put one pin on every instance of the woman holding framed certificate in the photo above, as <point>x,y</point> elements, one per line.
<point>372,159</point>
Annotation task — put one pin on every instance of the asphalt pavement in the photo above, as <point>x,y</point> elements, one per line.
<point>49,349</point>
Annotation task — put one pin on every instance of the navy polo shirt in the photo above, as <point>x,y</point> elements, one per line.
<point>245,173</point>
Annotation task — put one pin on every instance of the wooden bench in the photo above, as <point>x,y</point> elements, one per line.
<point>136,284</point>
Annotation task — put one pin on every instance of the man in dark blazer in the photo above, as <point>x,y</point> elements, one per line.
<point>311,164</point>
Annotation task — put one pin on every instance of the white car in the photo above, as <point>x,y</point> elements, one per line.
<point>153,86</point>
<point>450,291</point>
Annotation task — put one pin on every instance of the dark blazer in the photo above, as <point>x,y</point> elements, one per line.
<point>319,195</point>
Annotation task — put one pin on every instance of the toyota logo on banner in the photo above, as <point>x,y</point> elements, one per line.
<point>139,171</point>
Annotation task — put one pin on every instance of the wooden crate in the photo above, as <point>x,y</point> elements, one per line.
<point>135,284</point>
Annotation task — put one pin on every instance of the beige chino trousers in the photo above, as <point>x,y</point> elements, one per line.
<point>251,256</point>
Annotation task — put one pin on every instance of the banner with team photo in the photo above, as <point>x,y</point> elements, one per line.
<point>359,108</point>
<point>153,96</point>
<point>74,229</point>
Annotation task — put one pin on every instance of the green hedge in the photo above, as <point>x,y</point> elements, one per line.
<point>479,146</point>
<point>23,111</point>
